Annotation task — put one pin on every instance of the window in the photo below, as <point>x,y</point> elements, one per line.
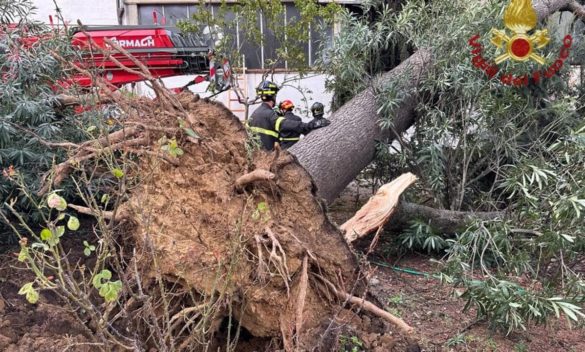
<point>146,14</point>
<point>257,56</point>
<point>175,13</point>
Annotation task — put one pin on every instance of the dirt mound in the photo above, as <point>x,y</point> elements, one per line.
<point>255,246</point>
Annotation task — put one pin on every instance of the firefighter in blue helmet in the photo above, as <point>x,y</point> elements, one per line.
<point>268,125</point>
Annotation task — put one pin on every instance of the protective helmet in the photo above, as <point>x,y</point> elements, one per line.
<point>267,90</point>
<point>317,109</point>
<point>286,105</point>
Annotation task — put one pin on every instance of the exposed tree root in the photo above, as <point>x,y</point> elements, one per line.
<point>254,176</point>
<point>277,257</point>
<point>88,211</point>
<point>406,329</point>
<point>303,284</point>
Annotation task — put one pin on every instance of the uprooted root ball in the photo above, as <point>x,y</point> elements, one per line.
<point>256,250</point>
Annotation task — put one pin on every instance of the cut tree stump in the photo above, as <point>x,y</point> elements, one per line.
<point>376,212</point>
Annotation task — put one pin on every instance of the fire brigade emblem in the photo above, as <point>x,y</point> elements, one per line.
<point>519,42</point>
<point>520,18</point>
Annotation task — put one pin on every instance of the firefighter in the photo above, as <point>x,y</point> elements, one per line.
<point>318,110</point>
<point>288,138</point>
<point>268,125</point>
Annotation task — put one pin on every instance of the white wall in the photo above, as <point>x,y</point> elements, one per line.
<point>90,12</point>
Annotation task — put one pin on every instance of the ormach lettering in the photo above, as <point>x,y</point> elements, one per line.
<point>145,42</point>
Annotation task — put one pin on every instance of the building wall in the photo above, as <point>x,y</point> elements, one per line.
<point>90,12</point>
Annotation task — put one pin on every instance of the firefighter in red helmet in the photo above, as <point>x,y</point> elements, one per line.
<point>288,138</point>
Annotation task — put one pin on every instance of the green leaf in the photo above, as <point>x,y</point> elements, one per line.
<point>568,238</point>
<point>31,295</point>
<point>46,234</point>
<point>191,133</point>
<point>23,254</point>
<point>105,198</point>
<point>25,288</point>
<point>262,207</point>
<point>43,246</point>
<point>87,251</point>
<point>108,290</point>
<point>61,216</point>
<point>91,129</point>
<point>118,173</point>
<point>60,231</point>
<point>54,201</point>
<point>73,223</point>
<point>97,279</point>
<point>113,290</point>
<point>568,312</point>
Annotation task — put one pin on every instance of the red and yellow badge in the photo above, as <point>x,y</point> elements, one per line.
<point>520,42</point>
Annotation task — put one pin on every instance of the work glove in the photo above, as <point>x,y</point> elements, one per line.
<point>318,123</point>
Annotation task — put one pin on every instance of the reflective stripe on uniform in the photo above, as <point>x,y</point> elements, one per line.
<point>264,131</point>
<point>277,124</point>
<point>290,139</point>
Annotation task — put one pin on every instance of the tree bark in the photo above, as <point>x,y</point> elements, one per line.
<point>443,221</point>
<point>335,155</point>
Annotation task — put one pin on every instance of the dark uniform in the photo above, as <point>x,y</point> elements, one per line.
<point>289,138</point>
<point>269,126</point>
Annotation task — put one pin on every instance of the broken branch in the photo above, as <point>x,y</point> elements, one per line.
<point>88,211</point>
<point>376,212</point>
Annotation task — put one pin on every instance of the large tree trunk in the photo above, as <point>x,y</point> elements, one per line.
<point>335,155</point>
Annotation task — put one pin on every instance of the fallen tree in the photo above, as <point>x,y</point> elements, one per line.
<point>204,234</point>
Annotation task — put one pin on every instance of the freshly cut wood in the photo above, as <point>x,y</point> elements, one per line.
<point>376,212</point>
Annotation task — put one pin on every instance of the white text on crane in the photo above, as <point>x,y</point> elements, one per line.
<point>134,43</point>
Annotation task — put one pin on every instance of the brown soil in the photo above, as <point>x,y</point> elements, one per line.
<point>437,313</point>
<point>45,326</point>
